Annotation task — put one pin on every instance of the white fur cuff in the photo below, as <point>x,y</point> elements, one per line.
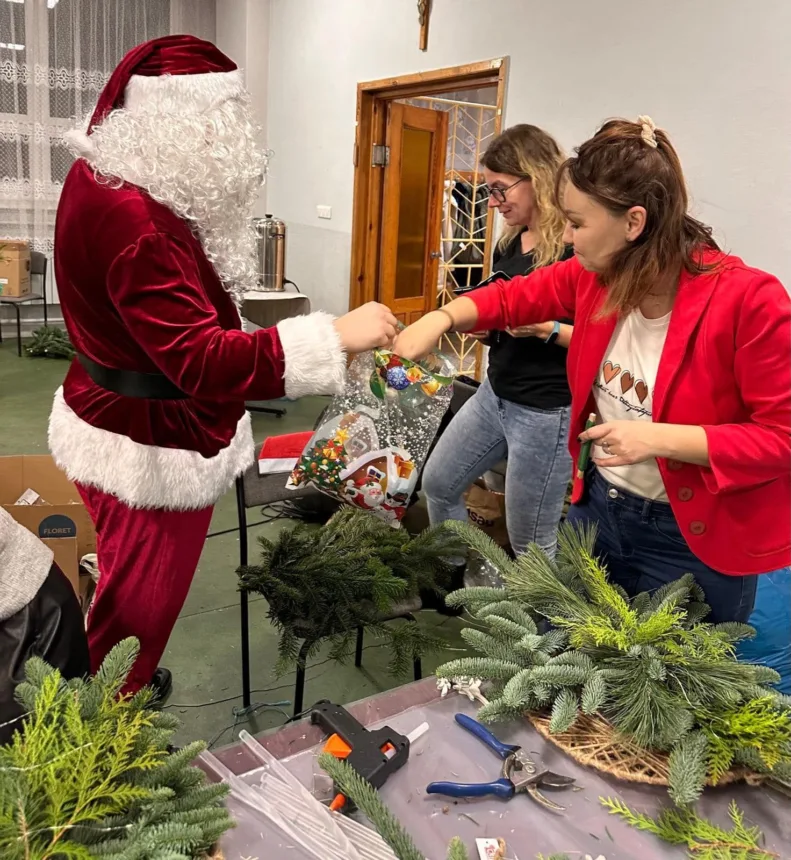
<point>315,359</point>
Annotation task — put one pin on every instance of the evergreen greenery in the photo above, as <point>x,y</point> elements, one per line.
<point>650,665</point>
<point>50,342</point>
<point>323,583</point>
<point>89,774</point>
<point>703,839</point>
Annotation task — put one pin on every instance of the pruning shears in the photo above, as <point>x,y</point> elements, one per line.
<point>518,773</point>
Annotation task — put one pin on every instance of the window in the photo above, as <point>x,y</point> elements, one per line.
<point>55,57</point>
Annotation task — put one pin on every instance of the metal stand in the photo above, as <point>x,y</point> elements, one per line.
<point>243,606</point>
<point>299,686</point>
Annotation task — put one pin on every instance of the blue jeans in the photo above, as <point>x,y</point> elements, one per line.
<point>643,548</point>
<point>485,431</point>
<point>771,619</point>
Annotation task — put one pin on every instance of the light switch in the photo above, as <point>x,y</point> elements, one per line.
<point>324,212</point>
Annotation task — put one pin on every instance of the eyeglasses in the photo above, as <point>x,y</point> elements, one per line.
<point>499,193</point>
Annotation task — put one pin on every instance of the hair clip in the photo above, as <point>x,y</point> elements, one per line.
<point>648,130</point>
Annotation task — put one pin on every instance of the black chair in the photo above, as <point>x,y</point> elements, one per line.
<point>38,266</point>
<point>256,491</point>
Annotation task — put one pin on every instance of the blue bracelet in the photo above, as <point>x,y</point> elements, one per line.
<point>553,335</point>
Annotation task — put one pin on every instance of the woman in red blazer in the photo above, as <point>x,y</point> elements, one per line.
<point>682,352</point>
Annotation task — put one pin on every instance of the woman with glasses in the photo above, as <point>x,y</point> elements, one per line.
<point>522,409</point>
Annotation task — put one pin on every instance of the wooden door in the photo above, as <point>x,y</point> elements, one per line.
<point>412,210</point>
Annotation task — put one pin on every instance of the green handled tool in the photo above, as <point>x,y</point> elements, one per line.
<point>585,451</point>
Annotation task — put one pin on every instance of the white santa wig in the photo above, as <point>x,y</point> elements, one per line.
<point>192,143</point>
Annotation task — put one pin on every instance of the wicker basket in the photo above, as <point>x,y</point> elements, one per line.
<point>594,742</point>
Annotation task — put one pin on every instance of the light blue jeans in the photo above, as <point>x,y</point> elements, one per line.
<point>485,431</point>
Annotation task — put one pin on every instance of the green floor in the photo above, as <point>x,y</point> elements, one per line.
<point>203,653</point>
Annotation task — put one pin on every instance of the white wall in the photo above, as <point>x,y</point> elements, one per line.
<point>243,34</point>
<point>715,73</point>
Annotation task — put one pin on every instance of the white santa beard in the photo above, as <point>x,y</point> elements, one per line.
<point>206,167</point>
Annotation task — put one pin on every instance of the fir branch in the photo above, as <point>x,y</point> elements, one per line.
<point>512,611</point>
<point>366,798</point>
<point>488,645</point>
<point>564,712</point>
<point>594,693</point>
<point>518,691</point>
<point>553,641</point>
<point>688,769</point>
<point>476,598</point>
<point>499,710</point>
<point>478,667</point>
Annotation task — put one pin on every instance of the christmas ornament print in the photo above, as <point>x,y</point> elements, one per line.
<point>397,378</point>
<point>375,436</point>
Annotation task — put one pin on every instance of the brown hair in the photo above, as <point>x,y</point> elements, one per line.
<point>527,152</point>
<point>628,164</point>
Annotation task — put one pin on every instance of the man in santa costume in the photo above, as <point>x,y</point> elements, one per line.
<point>153,248</point>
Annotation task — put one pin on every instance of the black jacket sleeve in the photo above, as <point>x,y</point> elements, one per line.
<point>51,626</point>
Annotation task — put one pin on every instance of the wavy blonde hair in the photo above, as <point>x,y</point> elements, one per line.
<point>528,152</point>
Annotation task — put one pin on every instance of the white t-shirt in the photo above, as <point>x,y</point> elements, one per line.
<point>624,390</point>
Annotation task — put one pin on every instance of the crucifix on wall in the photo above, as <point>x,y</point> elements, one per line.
<point>424,11</point>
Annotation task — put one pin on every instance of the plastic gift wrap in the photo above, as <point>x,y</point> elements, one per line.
<point>376,435</point>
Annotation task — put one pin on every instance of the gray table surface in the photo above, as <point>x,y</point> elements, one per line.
<point>448,752</point>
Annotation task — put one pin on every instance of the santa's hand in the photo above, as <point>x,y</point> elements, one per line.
<point>367,327</point>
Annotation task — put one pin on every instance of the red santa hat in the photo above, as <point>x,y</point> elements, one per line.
<point>174,74</point>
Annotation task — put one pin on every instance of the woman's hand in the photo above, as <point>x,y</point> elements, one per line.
<point>542,330</point>
<point>628,442</point>
<point>367,327</point>
<point>417,341</point>
<point>624,442</point>
<point>482,336</point>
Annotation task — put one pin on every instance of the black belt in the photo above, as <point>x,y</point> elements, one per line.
<point>130,383</point>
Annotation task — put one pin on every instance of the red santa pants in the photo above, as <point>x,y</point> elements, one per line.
<point>146,561</point>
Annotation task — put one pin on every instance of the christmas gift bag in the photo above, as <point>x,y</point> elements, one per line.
<point>374,440</point>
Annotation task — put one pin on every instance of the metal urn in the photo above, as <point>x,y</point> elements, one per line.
<point>271,249</point>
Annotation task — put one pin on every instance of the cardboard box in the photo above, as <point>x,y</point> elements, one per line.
<point>63,523</point>
<point>14,269</point>
<point>67,558</point>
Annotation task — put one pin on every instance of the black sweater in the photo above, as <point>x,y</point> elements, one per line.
<point>525,370</point>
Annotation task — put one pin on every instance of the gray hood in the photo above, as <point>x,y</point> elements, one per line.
<point>24,564</point>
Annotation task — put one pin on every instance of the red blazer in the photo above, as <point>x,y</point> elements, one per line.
<point>726,366</point>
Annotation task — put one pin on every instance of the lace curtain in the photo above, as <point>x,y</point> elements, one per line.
<point>55,57</point>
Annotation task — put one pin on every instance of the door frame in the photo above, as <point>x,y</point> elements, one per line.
<point>372,99</point>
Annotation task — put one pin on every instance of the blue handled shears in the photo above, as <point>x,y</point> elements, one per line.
<point>518,772</point>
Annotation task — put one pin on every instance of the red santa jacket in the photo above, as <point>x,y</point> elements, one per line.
<point>139,294</point>
<point>725,366</point>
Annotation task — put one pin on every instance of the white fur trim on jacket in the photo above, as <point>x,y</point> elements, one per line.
<point>145,476</point>
<point>165,94</point>
<point>314,357</point>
